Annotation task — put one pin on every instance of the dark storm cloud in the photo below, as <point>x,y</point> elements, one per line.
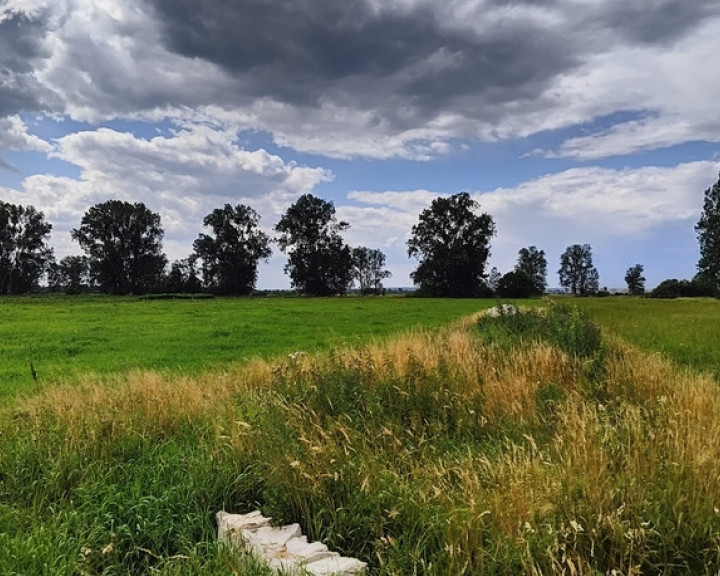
<point>21,46</point>
<point>299,51</point>
<point>657,21</point>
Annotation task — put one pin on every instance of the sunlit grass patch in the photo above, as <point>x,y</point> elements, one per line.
<point>537,446</point>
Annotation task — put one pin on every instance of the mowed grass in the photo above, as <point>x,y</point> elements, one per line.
<point>67,338</point>
<point>686,330</point>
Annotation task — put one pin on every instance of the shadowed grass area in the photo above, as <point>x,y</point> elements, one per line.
<point>504,446</point>
<point>63,339</point>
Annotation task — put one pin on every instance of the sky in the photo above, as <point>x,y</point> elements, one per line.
<point>569,121</point>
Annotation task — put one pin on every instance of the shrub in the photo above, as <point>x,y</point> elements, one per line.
<point>699,286</point>
<point>515,284</point>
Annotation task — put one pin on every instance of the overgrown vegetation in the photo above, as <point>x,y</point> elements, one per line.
<point>525,444</point>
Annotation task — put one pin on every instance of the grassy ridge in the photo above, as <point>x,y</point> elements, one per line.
<point>66,338</point>
<point>522,445</point>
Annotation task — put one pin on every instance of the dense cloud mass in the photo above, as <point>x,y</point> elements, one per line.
<point>21,47</point>
<point>418,72</point>
<point>377,80</point>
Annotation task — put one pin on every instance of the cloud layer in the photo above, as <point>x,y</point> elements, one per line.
<point>390,80</point>
<point>398,78</point>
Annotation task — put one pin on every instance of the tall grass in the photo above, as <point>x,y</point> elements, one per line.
<point>522,445</point>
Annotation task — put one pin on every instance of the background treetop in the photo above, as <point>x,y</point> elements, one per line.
<point>124,244</point>
<point>231,251</point>
<point>319,261</point>
<point>24,250</point>
<point>452,242</point>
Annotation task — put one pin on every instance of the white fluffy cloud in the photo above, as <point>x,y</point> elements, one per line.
<point>182,176</point>
<point>14,137</point>
<point>619,212</point>
<point>671,88</point>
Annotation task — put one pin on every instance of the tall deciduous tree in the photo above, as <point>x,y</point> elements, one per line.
<point>635,280</point>
<point>369,269</point>
<point>708,233</point>
<point>452,242</point>
<point>532,261</point>
<point>577,271</point>
<point>230,254</point>
<point>183,277</point>
<point>319,260</point>
<point>24,252</point>
<point>71,275</point>
<point>493,279</point>
<point>124,244</point>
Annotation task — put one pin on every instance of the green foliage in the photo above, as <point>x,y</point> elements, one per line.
<point>452,243</point>
<point>368,269</point>
<point>708,233</point>
<point>319,261</point>
<point>569,329</point>
<point>71,275</point>
<point>182,278</point>
<point>532,261</point>
<point>687,331</point>
<point>577,271</point>
<point>550,397</point>
<point>231,253</point>
<point>410,469</point>
<point>123,242</point>
<point>635,280</point>
<point>699,286</point>
<point>516,284</point>
<point>24,252</point>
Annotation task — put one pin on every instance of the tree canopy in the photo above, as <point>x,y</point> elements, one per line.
<point>577,271</point>
<point>532,261</point>
<point>708,233</point>
<point>516,284</point>
<point>124,244</point>
<point>369,269</point>
<point>24,252</point>
<point>452,242</point>
<point>635,280</point>
<point>319,261</point>
<point>70,275</point>
<point>230,253</point>
<point>183,277</point>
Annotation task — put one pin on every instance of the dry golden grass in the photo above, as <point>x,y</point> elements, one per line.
<point>604,482</point>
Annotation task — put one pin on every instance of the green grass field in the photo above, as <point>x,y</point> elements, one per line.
<point>684,330</point>
<point>529,444</point>
<point>66,338</point>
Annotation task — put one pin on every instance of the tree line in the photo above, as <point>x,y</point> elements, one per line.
<point>122,245</point>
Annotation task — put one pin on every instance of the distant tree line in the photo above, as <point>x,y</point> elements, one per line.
<point>123,254</point>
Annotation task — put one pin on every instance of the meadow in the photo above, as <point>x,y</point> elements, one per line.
<point>685,330</point>
<point>537,443</point>
<point>72,338</point>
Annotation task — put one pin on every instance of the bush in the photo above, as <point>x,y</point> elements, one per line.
<point>699,286</point>
<point>515,284</point>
